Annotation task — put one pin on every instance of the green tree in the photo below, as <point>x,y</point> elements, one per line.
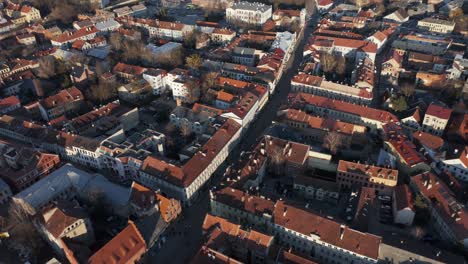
<point>398,103</point>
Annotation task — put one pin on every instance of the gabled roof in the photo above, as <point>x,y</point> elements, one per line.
<point>439,111</point>
<point>403,197</point>
<point>443,201</point>
<point>122,248</point>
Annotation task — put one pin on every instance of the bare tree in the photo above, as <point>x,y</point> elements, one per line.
<point>185,130</point>
<point>333,141</point>
<point>277,159</point>
<point>193,87</point>
<point>340,65</point>
<point>47,67</point>
<point>19,211</point>
<point>328,62</point>
<point>170,128</point>
<point>209,80</point>
<point>102,91</point>
<point>190,39</point>
<point>407,89</point>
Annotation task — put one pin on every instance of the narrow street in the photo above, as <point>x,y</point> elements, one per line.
<point>184,242</point>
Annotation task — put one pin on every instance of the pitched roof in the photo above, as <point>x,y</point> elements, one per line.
<point>122,248</point>
<point>443,201</point>
<point>142,196</point>
<point>359,110</point>
<point>428,140</point>
<point>439,111</point>
<point>329,231</point>
<point>368,171</point>
<point>61,98</point>
<point>70,36</point>
<point>224,96</point>
<point>57,219</point>
<point>9,102</point>
<point>403,197</point>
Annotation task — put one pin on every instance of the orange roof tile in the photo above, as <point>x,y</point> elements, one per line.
<point>124,247</point>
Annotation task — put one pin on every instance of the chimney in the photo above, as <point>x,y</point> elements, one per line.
<point>342,228</point>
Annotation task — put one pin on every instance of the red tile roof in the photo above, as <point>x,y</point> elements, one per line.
<point>439,111</point>
<point>56,220</point>
<point>364,45</point>
<point>331,232</point>
<point>142,196</point>
<point>287,12</point>
<point>202,159</point>
<point>444,202</point>
<point>129,69</point>
<point>362,111</point>
<point>185,175</point>
<point>63,97</point>
<point>125,247</point>
<point>77,34</point>
<point>9,102</point>
<point>368,171</point>
<point>224,96</point>
<point>244,201</point>
<point>428,140</point>
<point>403,197</point>
<point>327,124</point>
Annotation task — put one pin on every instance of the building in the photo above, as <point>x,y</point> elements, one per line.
<point>437,25</point>
<point>222,35</point>
<point>248,246</point>
<point>372,118</point>
<point>433,145</point>
<point>408,159</point>
<point>68,221</point>
<point>412,122</point>
<point>9,104</point>
<point>127,71</point>
<point>5,192</point>
<point>21,14</point>
<point>127,247</point>
<point>69,183</point>
<point>299,229</point>
<point>135,91</point>
<point>69,37</point>
<point>399,16</point>
<point>306,83</point>
<point>157,79</point>
<point>403,208</point>
<point>435,45</point>
<point>324,6</point>
<point>351,48</point>
<point>449,218</point>
<point>60,103</point>
<point>317,189</point>
<point>26,39</point>
<point>184,182</point>
<point>24,166</point>
<point>315,129</point>
<point>255,14</point>
<point>458,165</point>
<point>350,175</point>
<point>436,119</point>
<point>244,56</point>
<point>144,201</point>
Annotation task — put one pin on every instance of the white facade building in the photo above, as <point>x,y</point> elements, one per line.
<point>250,13</point>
